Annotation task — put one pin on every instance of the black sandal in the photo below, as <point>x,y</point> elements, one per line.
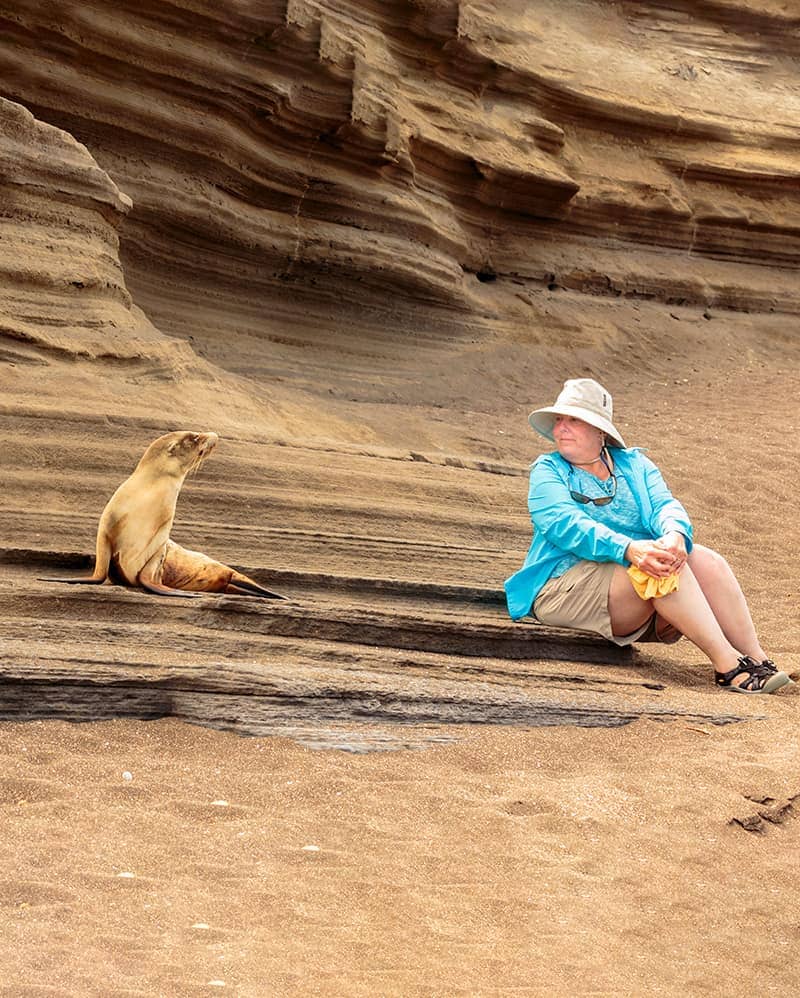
<point>763,677</point>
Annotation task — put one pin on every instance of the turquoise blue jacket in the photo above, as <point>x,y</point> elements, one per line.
<point>560,524</point>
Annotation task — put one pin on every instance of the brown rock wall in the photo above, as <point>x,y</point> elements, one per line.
<point>61,283</point>
<point>337,150</point>
<point>364,239</point>
<point>367,238</point>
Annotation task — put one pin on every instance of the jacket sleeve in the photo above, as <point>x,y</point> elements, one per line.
<point>565,524</point>
<point>668,513</point>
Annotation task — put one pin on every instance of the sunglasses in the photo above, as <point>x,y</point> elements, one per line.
<point>599,500</point>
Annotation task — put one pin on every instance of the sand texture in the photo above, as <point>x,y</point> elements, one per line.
<point>360,242</point>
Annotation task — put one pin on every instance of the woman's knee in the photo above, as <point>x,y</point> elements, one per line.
<point>708,564</point>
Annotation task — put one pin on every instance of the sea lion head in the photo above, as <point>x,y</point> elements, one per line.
<point>179,453</point>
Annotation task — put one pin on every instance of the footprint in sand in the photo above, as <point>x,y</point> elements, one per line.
<point>772,811</point>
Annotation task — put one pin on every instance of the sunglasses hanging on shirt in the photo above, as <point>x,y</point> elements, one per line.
<point>597,500</point>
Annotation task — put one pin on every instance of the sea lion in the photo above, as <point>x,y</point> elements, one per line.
<point>133,545</point>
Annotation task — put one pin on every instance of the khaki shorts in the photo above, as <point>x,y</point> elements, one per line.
<point>579,599</point>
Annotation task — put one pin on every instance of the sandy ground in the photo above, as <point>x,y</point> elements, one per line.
<point>163,859</point>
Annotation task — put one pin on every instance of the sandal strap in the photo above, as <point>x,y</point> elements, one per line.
<point>758,673</point>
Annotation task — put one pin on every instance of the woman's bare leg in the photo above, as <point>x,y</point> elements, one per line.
<point>627,609</point>
<point>726,599</point>
<point>686,608</point>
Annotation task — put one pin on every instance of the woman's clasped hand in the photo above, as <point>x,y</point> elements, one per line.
<point>661,557</point>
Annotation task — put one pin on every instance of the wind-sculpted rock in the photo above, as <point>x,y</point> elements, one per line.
<point>360,238</point>
<point>71,335</point>
<point>347,150</point>
<point>60,220</point>
<point>62,289</point>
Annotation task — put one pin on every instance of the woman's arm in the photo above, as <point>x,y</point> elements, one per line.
<point>669,516</point>
<point>565,524</point>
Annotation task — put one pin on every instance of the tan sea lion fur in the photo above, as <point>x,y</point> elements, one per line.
<point>133,544</point>
<point>190,570</point>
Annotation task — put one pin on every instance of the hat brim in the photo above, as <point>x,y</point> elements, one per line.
<point>543,421</point>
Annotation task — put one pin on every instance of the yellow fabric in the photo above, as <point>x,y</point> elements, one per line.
<point>648,587</point>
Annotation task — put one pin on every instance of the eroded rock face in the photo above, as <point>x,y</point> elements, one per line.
<point>61,283</point>
<point>339,152</point>
<point>366,237</point>
<point>337,202</point>
<point>62,288</point>
<point>71,336</point>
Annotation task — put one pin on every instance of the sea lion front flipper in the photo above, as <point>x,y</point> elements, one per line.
<point>102,560</point>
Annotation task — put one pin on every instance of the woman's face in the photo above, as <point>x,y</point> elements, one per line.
<point>576,440</point>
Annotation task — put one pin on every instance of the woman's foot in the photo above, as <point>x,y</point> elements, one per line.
<point>749,676</point>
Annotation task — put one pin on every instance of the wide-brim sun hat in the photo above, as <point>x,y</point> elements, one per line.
<point>584,399</point>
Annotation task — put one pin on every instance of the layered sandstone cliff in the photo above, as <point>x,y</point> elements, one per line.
<point>359,240</point>
<point>322,207</point>
<point>322,173</point>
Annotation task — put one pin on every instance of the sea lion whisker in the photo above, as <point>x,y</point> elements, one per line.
<point>194,467</point>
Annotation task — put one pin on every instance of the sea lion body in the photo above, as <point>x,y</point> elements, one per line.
<point>133,544</point>
<point>192,570</point>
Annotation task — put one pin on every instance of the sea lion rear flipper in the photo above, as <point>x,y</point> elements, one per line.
<point>156,587</point>
<point>241,584</point>
<point>88,580</point>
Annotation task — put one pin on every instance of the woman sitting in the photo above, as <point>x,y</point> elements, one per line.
<point>597,508</point>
